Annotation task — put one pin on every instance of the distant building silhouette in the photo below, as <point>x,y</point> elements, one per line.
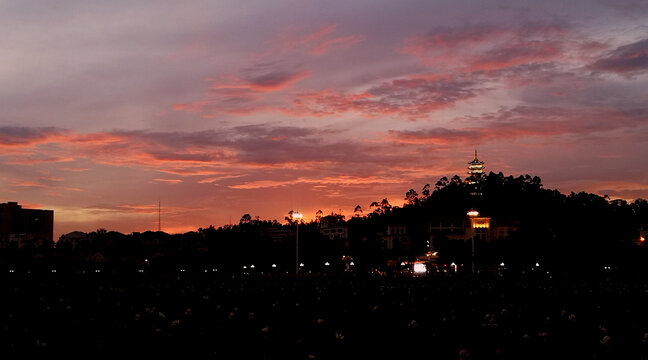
<point>397,237</point>
<point>20,227</point>
<point>72,240</point>
<point>333,227</point>
<point>464,228</point>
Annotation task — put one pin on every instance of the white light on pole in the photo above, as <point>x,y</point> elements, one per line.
<point>297,217</point>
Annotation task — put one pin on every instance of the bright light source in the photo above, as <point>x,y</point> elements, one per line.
<point>327,263</point>
<point>141,270</point>
<point>420,268</point>
<point>297,216</point>
<point>473,213</point>
<point>244,267</point>
<point>502,264</point>
<point>274,265</point>
<point>252,266</point>
<point>537,264</point>
<point>53,270</point>
<point>403,263</point>
<point>302,264</point>
<point>351,263</point>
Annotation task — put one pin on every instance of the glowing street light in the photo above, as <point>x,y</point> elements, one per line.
<point>297,216</point>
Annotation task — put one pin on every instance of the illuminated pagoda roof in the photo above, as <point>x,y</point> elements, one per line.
<point>475,169</point>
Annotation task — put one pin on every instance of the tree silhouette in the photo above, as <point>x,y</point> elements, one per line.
<point>357,212</point>
<point>411,197</point>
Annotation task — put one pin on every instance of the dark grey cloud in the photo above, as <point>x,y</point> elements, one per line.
<point>627,60</point>
<point>18,135</point>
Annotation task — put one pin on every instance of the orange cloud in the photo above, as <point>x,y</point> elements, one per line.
<point>33,161</point>
<point>344,180</point>
<point>30,184</point>
<point>273,80</point>
<point>168,181</point>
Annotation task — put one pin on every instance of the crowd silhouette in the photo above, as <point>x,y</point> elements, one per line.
<point>345,316</point>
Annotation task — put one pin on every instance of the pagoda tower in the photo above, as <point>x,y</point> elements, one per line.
<point>476,174</point>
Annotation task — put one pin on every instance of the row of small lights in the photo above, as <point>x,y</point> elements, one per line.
<point>213,270</point>
<point>245,267</point>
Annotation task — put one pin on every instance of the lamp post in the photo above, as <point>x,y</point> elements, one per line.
<point>473,214</point>
<point>297,217</point>
<point>473,254</point>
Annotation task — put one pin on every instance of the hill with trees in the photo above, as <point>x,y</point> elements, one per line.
<point>563,232</point>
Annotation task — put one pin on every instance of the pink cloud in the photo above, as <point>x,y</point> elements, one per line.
<point>489,47</point>
<point>411,97</point>
<point>243,95</point>
<point>316,42</point>
<point>516,54</point>
<point>344,42</point>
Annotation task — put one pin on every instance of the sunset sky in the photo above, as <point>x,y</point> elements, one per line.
<point>221,108</point>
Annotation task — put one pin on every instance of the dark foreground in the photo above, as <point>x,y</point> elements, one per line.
<point>204,316</point>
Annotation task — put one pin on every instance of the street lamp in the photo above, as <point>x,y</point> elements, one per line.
<point>297,216</point>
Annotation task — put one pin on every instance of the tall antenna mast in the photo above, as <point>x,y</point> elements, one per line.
<point>159,215</point>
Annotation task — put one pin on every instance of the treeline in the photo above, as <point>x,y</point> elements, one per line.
<point>578,231</point>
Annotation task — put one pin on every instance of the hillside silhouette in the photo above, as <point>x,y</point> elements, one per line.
<point>574,232</point>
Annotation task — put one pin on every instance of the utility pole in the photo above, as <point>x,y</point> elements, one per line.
<point>159,215</point>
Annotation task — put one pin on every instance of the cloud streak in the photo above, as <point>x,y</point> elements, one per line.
<point>627,60</point>
<point>526,121</point>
